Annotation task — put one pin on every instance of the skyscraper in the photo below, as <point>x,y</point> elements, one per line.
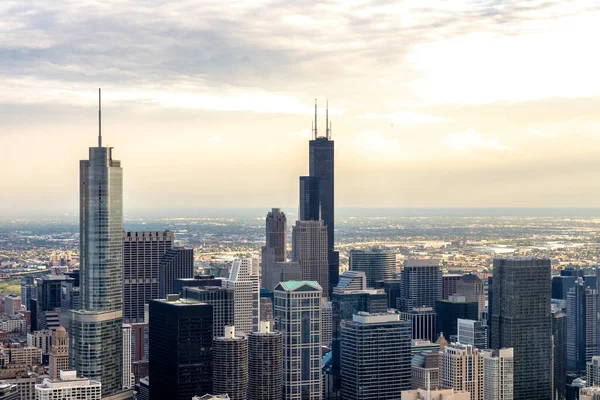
<point>265,363</point>
<point>276,239</point>
<point>461,368</point>
<point>230,364</point>
<point>471,287</point>
<point>582,302</point>
<point>244,281</point>
<point>59,352</point>
<point>177,263</point>
<point>375,357</point>
<point>378,265</point>
<point>128,378</point>
<point>423,321</point>
<point>451,310</point>
<point>498,374</point>
<point>593,371</point>
<point>222,300</point>
<point>472,332</point>
<point>142,252</point>
<point>521,319</point>
<point>351,280</point>
<point>310,209</point>
<point>449,284</point>
<point>421,284</point>
<point>180,348</point>
<point>97,337</point>
<point>559,354</point>
<point>309,250</point>
<point>298,317</point>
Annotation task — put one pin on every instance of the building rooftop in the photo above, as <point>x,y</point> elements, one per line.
<point>366,318</point>
<point>290,286</point>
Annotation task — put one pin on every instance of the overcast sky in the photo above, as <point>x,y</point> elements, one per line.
<point>209,103</point>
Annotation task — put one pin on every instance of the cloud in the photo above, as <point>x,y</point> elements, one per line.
<point>216,139</point>
<point>470,139</point>
<point>374,142</point>
<point>405,117</point>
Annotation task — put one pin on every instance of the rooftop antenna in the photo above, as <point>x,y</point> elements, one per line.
<point>327,130</point>
<point>316,132</point>
<point>99,118</point>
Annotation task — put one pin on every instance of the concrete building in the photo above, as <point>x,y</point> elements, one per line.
<point>593,371</point>
<point>12,304</point>
<point>230,364</point>
<point>421,284</point>
<point>180,348</point>
<point>309,250</point>
<point>589,393</point>
<point>177,263</point>
<point>472,332</point>
<point>435,394</point>
<point>351,280</point>
<point>461,368</point>
<point>222,300</point>
<point>498,372</point>
<point>449,284</point>
<point>9,391</point>
<point>423,321</point>
<point>244,279</point>
<point>265,364</point>
<point>273,273</point>
<point>275,246</point>
<point>128,377</point>
<point>378,265</point>
<point>375,357</point>
<point>472,288</point>
<point>326,322</point>
<point>59,352</point>
<point>521,319</point>
<point>425,369</point>
<point>142,252</point>
<point>40,339</point>
<point>68,387</point>
<point>298,318</point>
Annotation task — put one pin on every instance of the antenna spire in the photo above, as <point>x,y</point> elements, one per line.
<point>316,132</point>
<point>99,118</point>
<point>327,119</point>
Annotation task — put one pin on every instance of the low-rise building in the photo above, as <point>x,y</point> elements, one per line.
<point>68,387</point>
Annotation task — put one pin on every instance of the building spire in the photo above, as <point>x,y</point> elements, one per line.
<point>99,118</point>
<point>316,131</point>
<point>327,133</point>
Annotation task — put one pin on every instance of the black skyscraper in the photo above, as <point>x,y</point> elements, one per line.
<point>181,336</point>
<point>177,263</point>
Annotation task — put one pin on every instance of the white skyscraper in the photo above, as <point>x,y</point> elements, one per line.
<point>461,368</point>
<point>128,377</point>
<point>244,279</point>
<point>298,318</point>
<point>498,367</point>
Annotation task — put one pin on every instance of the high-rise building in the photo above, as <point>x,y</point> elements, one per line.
<point>49,300</point>
<point>180,348</point>
<point>559,354</point>
<point>298,318</point>
<point>375,357</point>
<point>472,288</point>
<point>421,284</point>
<point>593,371</point>
<point>344,304</point>
<point>59,352</point>
<point>589,393</point>
<point>9,391</point>
<point>451,310</point>
<point>40,339</point>
<point>230,364</point>
<point>128,377</point>
<point>277,272</point>
<point>265,364</point>
<point>222,300</point>
<point>12,304</point>
<point>276,240</point>
<point>378,265</point>
<point>472,332</point>
<point>326,321</point>
<point>461,368</point>
<point>310,209</point>
<point>393,289</point>
<point>68,387</point>
<point>425,369</point>
<point>244,280</point>
<point>351,280</point>
<point>434,394</point>
<point>498,374</point>
<point>582,302</point>
<point>177,263</point>
<point>423,321</point>
<point>97,337</point>
<point>309,250</point>
<point>449,284</point>
<point>521,319</point>
<point>142,252</point>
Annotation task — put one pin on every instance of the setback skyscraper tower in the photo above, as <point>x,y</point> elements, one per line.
<point>97,337</point>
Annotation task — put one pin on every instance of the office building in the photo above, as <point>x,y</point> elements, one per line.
<point>59,352</point>
<point>273,273</point>
<point>521,319</point>
<point>449,284</point>
<point>9,391</point>
<point>582,320</point>
<point>27,292</point>
<point>423,320</point>
<point>589,393</point>
<point>309,207</point>
<point>393,289</point>
<point>274,249</point>
<point>326,322</point>
<point>461,368</point>
<point>351,280</point>
<point>265,364</point>
<point>142,252</point>
<point>593,371</point>
<point>375,357</point>
<point>344,304</point>
<point>434,394</point>
<point>230,364</point>
<point>498,372</point>
<point>49,300</point>
<point>40,339</point>
<point>12,304</point>
<point>451,310</point>
<point>177,263</point>
<point>180,348</point>
<point>421,284</point>
<point>68,387</point>
<point>425,369</point>
<point>309,250</point>
<point>128,377</point>
<point>244,280</point>
<point>559,353</point>
<point>378,265</point>
<point>472,332</point>
<point>222,300</point>
<point>97,338</point>
<point>298,318</point>
<point>472,288</point>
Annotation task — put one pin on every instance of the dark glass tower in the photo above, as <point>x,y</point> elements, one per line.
<point>309,199</point>
<point>181,337</point>
<point>177,263</point>
<point>377,265</point>
<point>559,360</point>
<point>421,284</point>
<point>97,333</point>
<point>521,319</point>
<point>582,301</point>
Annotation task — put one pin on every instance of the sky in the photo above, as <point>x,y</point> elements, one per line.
<point>210,103</point>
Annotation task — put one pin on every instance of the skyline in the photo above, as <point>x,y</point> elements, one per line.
<point>468,103</point>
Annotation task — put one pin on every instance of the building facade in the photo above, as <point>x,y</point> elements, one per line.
<point>461,368</point>
<point>472,332</point>
<point>582,325</point>
<point>177,263</point>
<point>265,364</point>
<point>274,249</point>
<point>244,280</point>
<point>309,250</point>
<point>498,372</point>
<point>451,310</point>
<point>222,300</point>
<point>230,364</point>
<point>423,320</point>
<point>378,265</point>
<point>421,284</point>
<point>59,352</point>
<point>68,387</point>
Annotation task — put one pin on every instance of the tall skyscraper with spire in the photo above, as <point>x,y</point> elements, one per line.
<point>96,340</point>
<point>320,184</point>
